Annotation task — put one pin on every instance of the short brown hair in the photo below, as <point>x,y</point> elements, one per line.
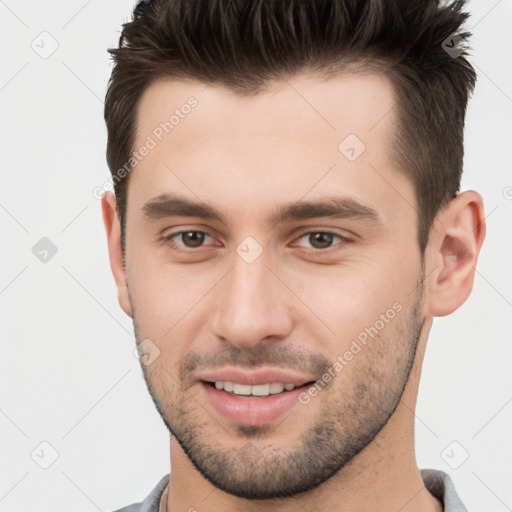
<point>244,44</point>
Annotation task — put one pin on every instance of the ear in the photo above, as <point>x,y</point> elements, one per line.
<point>453,253</point>
<point>113,229</point>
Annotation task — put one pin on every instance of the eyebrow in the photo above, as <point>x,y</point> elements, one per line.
<point>174,205</point>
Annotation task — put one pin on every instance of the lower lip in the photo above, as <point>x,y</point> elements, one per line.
<point>250,410</point>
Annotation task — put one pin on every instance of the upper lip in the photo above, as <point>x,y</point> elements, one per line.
<point>262,376</point>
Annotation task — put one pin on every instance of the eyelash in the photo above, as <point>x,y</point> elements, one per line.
<point>169,239</point>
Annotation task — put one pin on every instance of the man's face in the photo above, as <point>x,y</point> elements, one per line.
<point>256,298</point>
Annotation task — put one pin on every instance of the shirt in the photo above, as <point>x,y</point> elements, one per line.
<point>438,483</point>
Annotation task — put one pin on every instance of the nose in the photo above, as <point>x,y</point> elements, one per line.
<point>252,304</point>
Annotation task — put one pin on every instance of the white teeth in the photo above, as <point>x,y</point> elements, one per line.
<point>242,389</point>
<point>276,387</point>
<point>256,390</point>
<point>260,390</point>
<point>227,386</point>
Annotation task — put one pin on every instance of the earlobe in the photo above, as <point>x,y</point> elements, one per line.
<point>459,235</point>
<point>113,230</point>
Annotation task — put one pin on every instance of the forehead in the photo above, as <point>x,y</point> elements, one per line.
<point>209,141</point>
<point>345,103</point>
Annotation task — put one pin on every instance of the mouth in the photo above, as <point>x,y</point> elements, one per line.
<point>257,390</point>
<point>255,405</point>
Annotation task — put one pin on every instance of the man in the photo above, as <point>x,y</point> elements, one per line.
<point>286,224</point>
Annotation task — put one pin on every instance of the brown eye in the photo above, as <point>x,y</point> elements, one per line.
<point>320,240</point>
<point>192,238</point>
<point>187,239</point>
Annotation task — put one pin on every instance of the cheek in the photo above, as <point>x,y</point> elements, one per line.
<point>167,296</point>
<point>342,302</point>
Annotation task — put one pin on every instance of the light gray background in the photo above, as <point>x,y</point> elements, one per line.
<point>68,373</point>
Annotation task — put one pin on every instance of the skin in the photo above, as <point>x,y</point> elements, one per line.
<point>351,447</point>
